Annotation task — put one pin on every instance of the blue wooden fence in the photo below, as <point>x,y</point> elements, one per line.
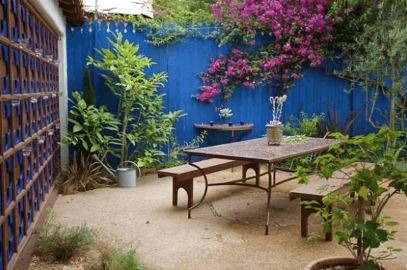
<point>316,92</point>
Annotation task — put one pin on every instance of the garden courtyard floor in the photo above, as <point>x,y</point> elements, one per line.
<point>225,232</point>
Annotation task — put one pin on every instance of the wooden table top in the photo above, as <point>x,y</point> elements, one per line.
<point>258,150</point>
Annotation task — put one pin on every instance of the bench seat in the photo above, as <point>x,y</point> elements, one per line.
<point>183,175</point>
<point>316,190</point>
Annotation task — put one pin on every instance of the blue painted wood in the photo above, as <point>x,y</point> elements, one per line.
<point>316,92</point>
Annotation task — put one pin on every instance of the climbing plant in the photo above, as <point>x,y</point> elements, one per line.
<point>298,34</point>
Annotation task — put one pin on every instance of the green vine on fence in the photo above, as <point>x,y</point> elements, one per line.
<point>173,20</point>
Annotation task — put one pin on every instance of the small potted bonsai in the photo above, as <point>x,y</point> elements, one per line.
<point>379,173</point>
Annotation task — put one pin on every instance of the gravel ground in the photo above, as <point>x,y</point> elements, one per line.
<point>225,232</point>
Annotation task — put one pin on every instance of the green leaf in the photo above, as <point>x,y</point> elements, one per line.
<point>77,128</point>
<point>85,144</point>
<point>363,192</point>
<point>95,148</point>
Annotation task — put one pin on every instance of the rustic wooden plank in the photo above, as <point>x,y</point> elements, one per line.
<point>319,188</point>
<point>209,166</point>
<point>316,190</point>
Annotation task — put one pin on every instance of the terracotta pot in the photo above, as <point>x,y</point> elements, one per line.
<point>331,262</point>
<point>348,263</point>
<point>274,134</point>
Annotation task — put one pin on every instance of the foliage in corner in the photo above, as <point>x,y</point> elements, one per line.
<point>82,174</point>
<point>143,126</point>
<point>378,172</point>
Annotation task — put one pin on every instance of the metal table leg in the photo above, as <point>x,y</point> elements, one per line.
<point>206,189</point>
<point>270,184</point>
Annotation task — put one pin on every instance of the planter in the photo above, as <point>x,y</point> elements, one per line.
<point>274,134</point>
<point>334,263</point>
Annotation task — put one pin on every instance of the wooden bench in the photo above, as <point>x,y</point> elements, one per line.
<point>183,175</point>
<point>318,189</point>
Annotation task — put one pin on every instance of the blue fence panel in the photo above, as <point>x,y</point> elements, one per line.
<point>316,92</point>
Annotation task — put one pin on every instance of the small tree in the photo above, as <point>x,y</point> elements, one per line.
<point>380,172</point>
<point>144,127</point>
<point>373,40</point>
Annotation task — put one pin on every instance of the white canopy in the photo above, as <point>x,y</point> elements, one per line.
<point>132,7</point>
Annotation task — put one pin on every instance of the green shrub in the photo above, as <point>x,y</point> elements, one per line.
<point>60,243</point>
<point>304,125</point>
<point>299,129</point>
<point>113,258</point>
<point>90,127</point>
<point>124,260</point>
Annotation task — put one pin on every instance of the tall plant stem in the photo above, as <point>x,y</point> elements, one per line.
<point>124,109</point>
<point>361,216</point>
<point>392,112</point>
<point>123,154</point>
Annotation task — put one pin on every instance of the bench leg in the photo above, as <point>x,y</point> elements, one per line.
<point>305,213</point>
<point>255,167</point>
<point>188,186</point>
<point>328,235</point>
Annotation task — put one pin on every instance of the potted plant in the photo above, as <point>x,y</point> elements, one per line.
<point>275,127</point>
<point>380,172</point>
<point>225,113</point>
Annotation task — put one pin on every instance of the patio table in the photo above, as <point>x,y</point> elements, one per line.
<point>258,152</point>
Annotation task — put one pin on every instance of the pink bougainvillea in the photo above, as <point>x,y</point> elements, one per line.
<point>300,31</point>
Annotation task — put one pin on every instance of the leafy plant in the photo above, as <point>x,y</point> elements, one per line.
<point>143,126</point>
<point>90,127</point>
<point>379,174</point>
<point>82,174</point>
<point>60,243</point>
<point>298,130</point>
<point>304,125</point>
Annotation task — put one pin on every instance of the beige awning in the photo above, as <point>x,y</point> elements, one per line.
<point>131,7</point>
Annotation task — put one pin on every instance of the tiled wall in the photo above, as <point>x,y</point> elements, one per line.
<point>29,115</point>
